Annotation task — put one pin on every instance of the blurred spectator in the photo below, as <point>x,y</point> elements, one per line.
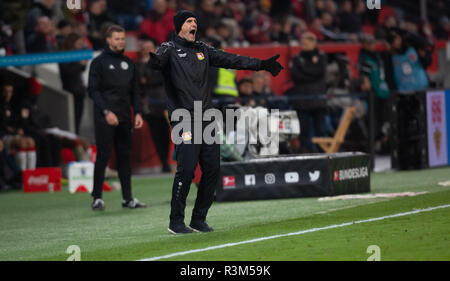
<point>298,9</point>
<point>261,88</point>
<point>330,31</point>
<point>64,29</point>
<point>71,76</point>
<point>299,28</point>
<point>411,25</point>
<point>237,10</point>
<point>43,38</point>
<point>81,29</point>
<point>279,32</point>
<point>14,13</point>
<point>328,22</point>
<point>316,28</point>
<point>225,33</point>
<point>372,65</point>
<point>320,7</point>
<point>437,10</point>
<point>129,15</point>
<point>406,61</point>
<point>279,9</point>
<point>443,29</point>
<point>308,74</point>
<point>361,11</point>
<point>350,21</point>
<point>34,122</point>
<point>98,21</point>
<point>255,27</point>
<point>372,70</point>
<point>206,16</point>
<point>5,39</point>
<point>154,102</point>
<point>13,136</point>
<point>10,174</point>
<point>158,24</point>
<point>246,92</point>
<point>381,32</point>
<point>188,5</point>
<point>331,7</point>
<point>39,9</point>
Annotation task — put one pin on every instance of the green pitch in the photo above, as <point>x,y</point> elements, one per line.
<point>41,226</point>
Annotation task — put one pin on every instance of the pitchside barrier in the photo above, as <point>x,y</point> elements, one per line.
<point>291,176</point>
<point>420,126</point>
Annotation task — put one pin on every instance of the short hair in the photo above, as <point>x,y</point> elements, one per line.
<point>114,28</point>
<point>245,80</point>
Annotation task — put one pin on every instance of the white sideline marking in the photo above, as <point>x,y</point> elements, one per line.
<point>295,233</point>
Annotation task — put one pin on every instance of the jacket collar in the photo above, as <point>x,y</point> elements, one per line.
<point>110,52</point>
<point>183,42</point>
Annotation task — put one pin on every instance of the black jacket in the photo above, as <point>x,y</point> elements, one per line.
<point>71,73</point>
<point>186,67</point>
<point>153,92</point>
<point>308,74</point>
<point>113,84</point>
<point>6,119</point>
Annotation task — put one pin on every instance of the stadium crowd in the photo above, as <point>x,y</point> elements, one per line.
<point>42,26</point>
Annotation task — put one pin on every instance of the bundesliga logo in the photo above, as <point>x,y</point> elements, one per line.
<point>351,174</point>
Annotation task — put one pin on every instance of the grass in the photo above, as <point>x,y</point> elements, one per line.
<point>41,226</point>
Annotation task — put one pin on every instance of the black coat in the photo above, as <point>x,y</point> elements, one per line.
<point>152,90</point>
<point>113,84</point>
<point>308,75</point>
<point>186,67</point>
<point>6,119</point>
<point>72,82</point>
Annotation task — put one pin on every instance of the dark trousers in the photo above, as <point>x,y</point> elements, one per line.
<point>78,106</point>
<point>208,156</point>
<point>160,135</point>
<point>313,123</point>
<point>121,137</point>
<point>48,149</point>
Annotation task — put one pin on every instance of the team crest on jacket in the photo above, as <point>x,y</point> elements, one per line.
<point>200,56</point>
<point>124,65</point>
<point>187,136</point>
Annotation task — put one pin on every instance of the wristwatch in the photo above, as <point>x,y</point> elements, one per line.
<point>105,111</point>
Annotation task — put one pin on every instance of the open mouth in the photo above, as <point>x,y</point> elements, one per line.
<point>192,31</point>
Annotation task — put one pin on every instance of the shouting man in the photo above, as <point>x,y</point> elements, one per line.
<point>185,64</point>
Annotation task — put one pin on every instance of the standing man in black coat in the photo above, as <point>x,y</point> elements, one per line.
<point>308,74</point>
<point>113,85</point>
<point>185,64</point>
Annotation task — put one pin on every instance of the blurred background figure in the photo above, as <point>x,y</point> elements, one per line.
<point>308,74</point>
<point>43,38</point>
<point>153,102</point>
<point>71,76</point>
<point>372,68</point>
<point>98,20</point>
<point>15,141</point>
<point>158,23</point>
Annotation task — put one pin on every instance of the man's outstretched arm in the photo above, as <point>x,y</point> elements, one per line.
<point>160,60</point>
<point>222,59</point>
